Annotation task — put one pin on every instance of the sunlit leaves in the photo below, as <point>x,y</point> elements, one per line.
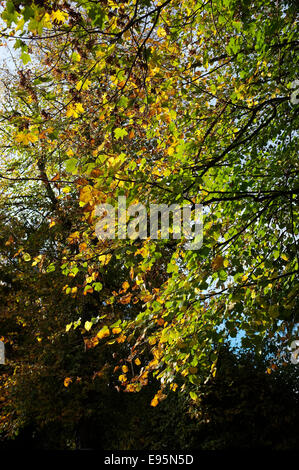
<point>26,137</point>
<point>168,103</point>
<point>73,110</point>
<point>70,165</point>
<point>59,16</point>
<point>103,333</point>
<point>88,325</point>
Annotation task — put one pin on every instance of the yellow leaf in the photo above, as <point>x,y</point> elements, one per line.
<point>92,277</point>
<point>137,361</point>
<point>79,85</point>
<point>157,353</point>
<point>125,369</point>
<point>73,110</point>
<point>46,21</point>
<point>152,340</point>
<point>86,194</point>
<point>154,363</point>
<point>73,236</point>
<point>83,85</point>
<point>79,108</point>
<point>104,259</point>
<point>154,402</point>
<point>66,190</point>
<point>87,325</point>
<point>161,32</point>
<point>59,16</point>
<point>131,388</point>
<point>70,112</point>
<point>26,138</point>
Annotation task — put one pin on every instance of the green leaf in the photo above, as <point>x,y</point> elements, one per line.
<point>97,286</point>
<point>25,58</point>
<point>70,165</point>
<point>26,257</point>
<point>120,133</point>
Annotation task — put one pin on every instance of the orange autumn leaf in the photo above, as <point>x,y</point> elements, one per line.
<point>116,330</point>
<point>125,299</point>
<point>67,381</point>
<point>103,333</point>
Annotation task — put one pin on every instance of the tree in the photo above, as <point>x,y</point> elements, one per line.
<point>165,102</point>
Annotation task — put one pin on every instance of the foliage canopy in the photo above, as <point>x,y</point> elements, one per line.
<point>187,102</point>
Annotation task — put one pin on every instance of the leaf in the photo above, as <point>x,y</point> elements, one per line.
<point>86,194</point>
<point>217,262</point>
<point>74,109</point>
<point>125,285</point>
<point>97,286</point>
<point>161,32</point>
<point>59,16</point>
<point>67,381</point>
<point>88,325</point>
<point>25,58</point>
<point>83,85</point>
<point>70,165</point>
<point>103,333</point>
<point>116,330</point>
<point>26,137</point>
<point>120,133</point>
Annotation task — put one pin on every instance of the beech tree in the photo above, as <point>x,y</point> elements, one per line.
<point>188,102</point>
